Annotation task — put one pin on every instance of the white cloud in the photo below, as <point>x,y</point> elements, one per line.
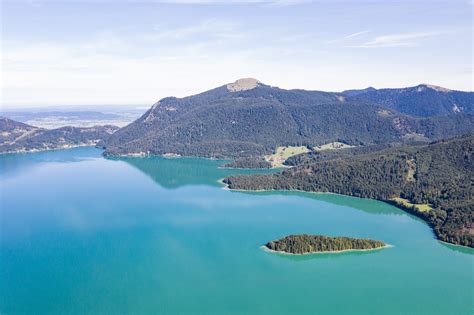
<point>349,37</point>
<point>398,40</point>
<point>81,73</point>
<point>357,34</point>
<point>210,27</point>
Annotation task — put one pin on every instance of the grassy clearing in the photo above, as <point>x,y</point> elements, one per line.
<point>418,207</point>
<point>332,146</point>
<point>415,137</point>
<point>283,153</point>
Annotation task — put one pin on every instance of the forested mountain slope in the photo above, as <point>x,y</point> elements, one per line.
<point>439,176</point>
<point>19,137</point>
<point>249,118</point>
<point>422,100</point>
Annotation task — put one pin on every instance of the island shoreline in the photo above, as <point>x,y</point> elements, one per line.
<point>390,202</point>
<point>265,248</point>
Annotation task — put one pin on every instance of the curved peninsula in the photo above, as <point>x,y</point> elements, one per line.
<point>308,244</point>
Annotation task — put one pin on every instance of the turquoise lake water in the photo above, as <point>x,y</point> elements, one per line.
<point>81,234</point>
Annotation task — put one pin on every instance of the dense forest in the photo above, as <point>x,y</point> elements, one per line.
<point>19,137</point>
<point>326,155</point>
<point>439,174</point>
<point>423,100</point>
<point>305,244</point>
<point>249,163</point>
<point>235,124</point>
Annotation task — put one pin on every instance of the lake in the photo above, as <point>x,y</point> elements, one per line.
<point>81,234</point>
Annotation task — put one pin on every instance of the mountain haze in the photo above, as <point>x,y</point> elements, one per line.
<point>19,137</point>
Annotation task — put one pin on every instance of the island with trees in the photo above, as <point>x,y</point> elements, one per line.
<point>308,244</point>
<point>433,182</point>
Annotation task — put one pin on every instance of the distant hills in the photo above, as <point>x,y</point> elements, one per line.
<point>75,116</point>
<point>19,137</point>
<point>250,118</point>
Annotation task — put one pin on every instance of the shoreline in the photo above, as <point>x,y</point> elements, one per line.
<point>265,248</point>
<point>248,169</point>
<point>407,210</point>
<point>67,147</point>
<point>226,187</point>
<point>456,245</point>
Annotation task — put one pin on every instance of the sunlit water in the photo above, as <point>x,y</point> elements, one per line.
<point>81,234</point>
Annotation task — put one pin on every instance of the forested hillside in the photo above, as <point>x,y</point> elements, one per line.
<point>439,175</point>
<point>19,137</point>
<point>423,100</point>
<point>248,118</point>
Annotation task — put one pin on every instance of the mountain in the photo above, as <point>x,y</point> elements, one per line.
<point>431,181</point>
<point>349,93</point>
<point>249,118</point>
<point>11,130</point>
<point>423,100</point>
<point>19,137</point>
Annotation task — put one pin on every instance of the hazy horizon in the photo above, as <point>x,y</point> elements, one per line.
<point>103,106</point>
<point>125,52</point>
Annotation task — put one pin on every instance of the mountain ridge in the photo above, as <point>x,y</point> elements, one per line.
<point>254,120</point>
<point>20,137</point>
<point>423,100</point>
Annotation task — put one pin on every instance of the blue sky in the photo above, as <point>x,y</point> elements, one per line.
<point>136,52</point>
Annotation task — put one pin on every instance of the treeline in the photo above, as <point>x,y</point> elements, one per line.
<point>250,163</point>
<point>439,174</point>
<point>326,155</point>
<point>252,123</point>
<point>421,100</point>
<point>304,244</point>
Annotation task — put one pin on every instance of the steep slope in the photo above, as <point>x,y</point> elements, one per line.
<point>438,176</point>
<point>249,118</point>
<point>423,100</point>
<point>11,130</point>
<point>20,137</point>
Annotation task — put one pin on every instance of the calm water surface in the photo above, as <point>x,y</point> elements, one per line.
<point>81,234</point>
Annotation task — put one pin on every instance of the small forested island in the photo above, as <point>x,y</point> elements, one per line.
<point>430,181</point>
<point>308,244</point>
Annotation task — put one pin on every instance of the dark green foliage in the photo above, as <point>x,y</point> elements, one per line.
<point>250,163</point>
<point>304,244</point>
<point>440,174</point>
<point>422,100</point>
<point>17,136</point>
<point>224,124</point>
<point>326,155</point>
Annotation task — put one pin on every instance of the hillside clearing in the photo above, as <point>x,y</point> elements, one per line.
<point>332,146</point>
<point>283,153</point>
<point>418,207</point>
